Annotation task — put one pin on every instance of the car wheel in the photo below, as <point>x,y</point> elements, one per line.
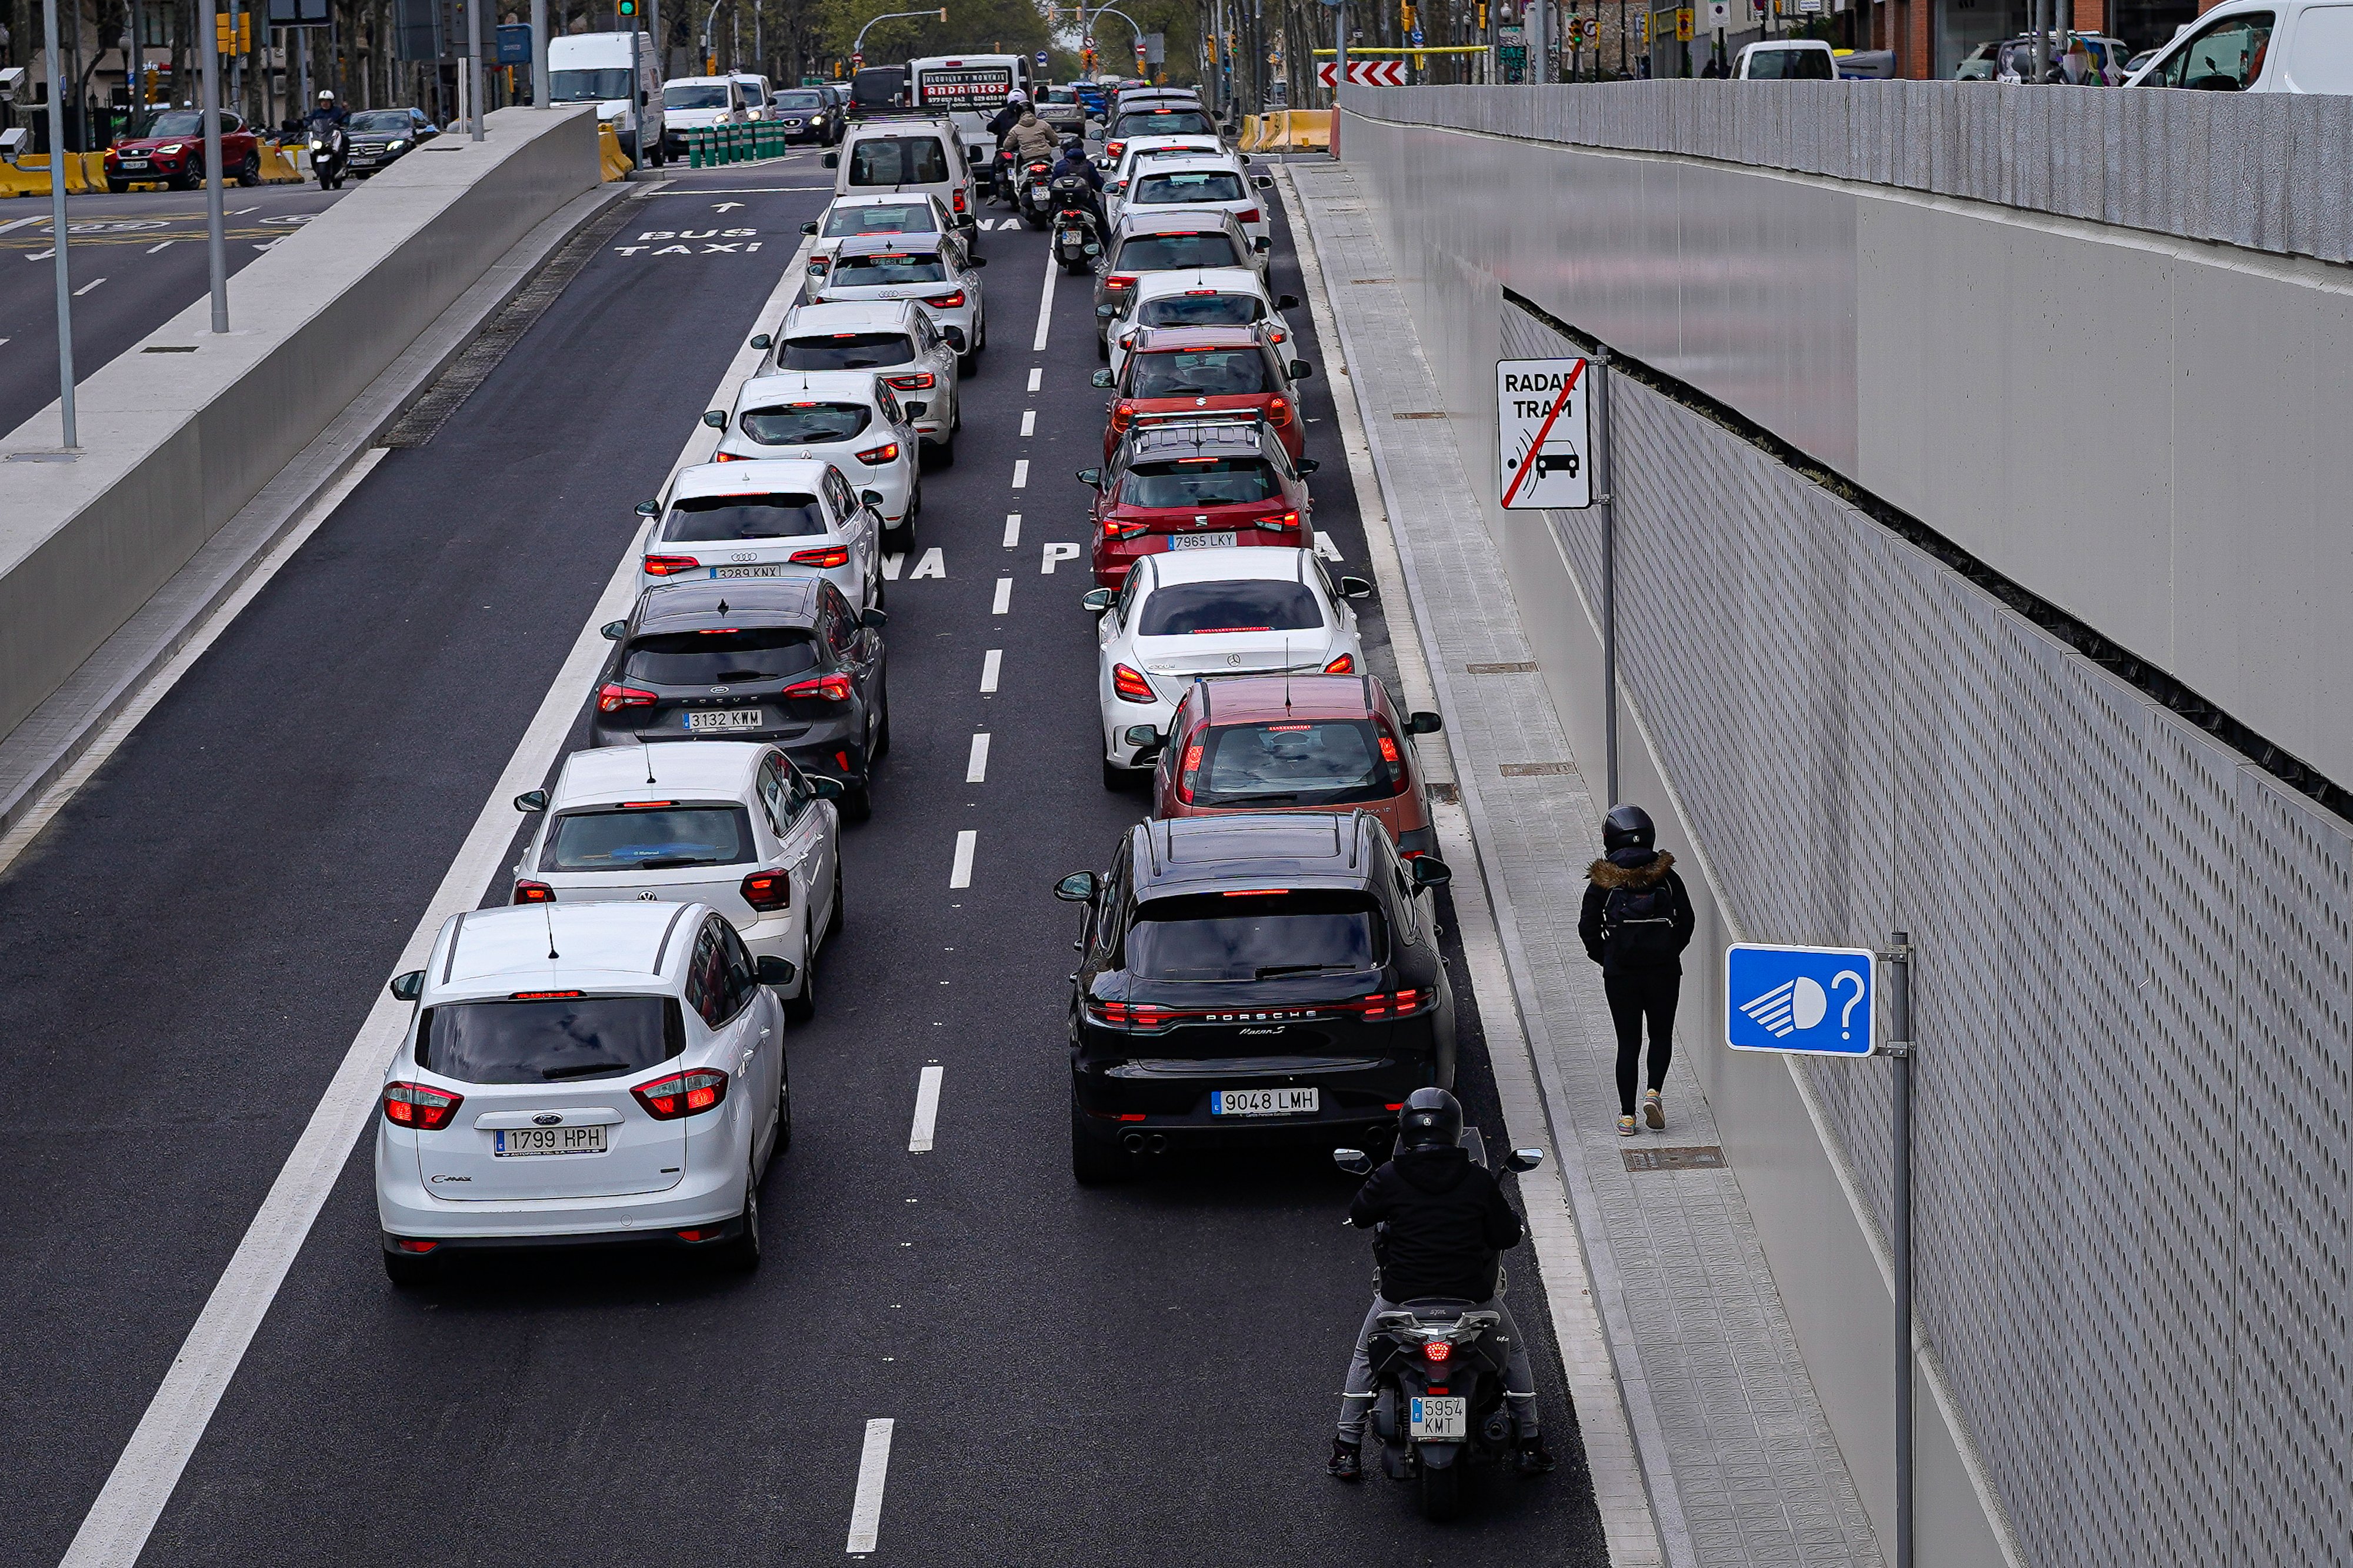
<point>118,186</point>
<point>783,1111</point>
<point>942,452</point>
<point>249,172</point>
<point>967,365</point>
<point>184,183</point>
<point>880,747</point>
<point>856,803</point>
<point>834,917</point>
<point>1102,348</point>
<point>407,1271</point>
<point>1115,778</point>
<point>1095,1161</point>
<point>800,1009</point>
<point>742,1255</point>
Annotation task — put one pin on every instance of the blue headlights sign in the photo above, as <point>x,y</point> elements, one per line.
<point>1814,1000</point>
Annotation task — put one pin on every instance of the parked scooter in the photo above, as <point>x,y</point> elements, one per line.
<point>1036,201</point>
<point>1077,238</point>
<point>1438,1375</point>
<point>331,153</point>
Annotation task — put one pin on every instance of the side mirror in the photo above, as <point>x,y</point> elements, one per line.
<point>1245,157</point>
<point>1355,588</point>
<point>1101,378</point>
<point>762,341</point>
<point>1430,872</point>
<point>715,417</point>
<point>1306,465</point>
<point>614,631</point>
<point>874,620</point>
<point>1117,185</point>
<point>833,160</point>
<point>1143,736</point>
<point>953,337</point>
<point>532,800</point>
<point>1090,476</point>
<point>408,987</point>
<point>648,508</point>
<point>822,787</point>
<point>1524,1160</point>
<point>809,228</point>
<point>976,261</point>
<point>1261,245</point>
<point>1106,311</point>
<point>1078,887</point>
<point>1264,182</point>
<point>1097,599</point>
<point>1355,1162</point>
<point>1424,724</point>
<point>1286,302</point>
<point>775,971</point>
<point>872,498</point>
<point>1300,370</point>
<point>913,410</point>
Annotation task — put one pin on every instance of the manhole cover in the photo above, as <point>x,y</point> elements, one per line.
<point>1696,1158</point>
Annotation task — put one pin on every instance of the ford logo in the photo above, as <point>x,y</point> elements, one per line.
<point>546,1119</point>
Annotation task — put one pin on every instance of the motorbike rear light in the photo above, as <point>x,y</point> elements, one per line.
<point>1118,281</point>
<point>824,555</point>
<point>420,1107</point>
<point>1129,683</point>
<point>768,891</point>
<point>887,452</point>
<point>670,565</point>
<point>1344,665</point>
<point>1282,522</point>
<point>1438,1351</point>
<point>530,892</point>
<point>918,382</point>
<point>1117,527</point>
<point>612,699</point>
<point>824,689</point>
<point>947,302</point>
<point>683,1093</point>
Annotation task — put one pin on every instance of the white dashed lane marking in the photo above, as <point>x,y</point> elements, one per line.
<point>976,770</point>
<point>1036,375</point>
<point>960,872</point>
<point>927,1110</point>
<point>990,663</point>
<point>1012,529</point>
<point>1003,599</point>
<point>1029,422</point>
<point>1020,468</point>
<point>873,1471</point>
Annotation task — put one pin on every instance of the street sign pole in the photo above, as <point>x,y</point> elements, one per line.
<point>57,219</point>
<point>1602,498</point>
<point>1899,959</point>
<point>216,244</point>
<point>474,62</point>
<point>541,91</point>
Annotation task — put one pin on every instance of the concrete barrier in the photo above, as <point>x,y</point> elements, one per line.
<point>612,163</point>
<point>29,175</point>
<point>181,433</point>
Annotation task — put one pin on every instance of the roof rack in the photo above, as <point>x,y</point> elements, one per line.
<point>1222,417</point>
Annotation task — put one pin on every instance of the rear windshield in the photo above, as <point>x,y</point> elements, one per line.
<point>895,217</point>
<point>1163,122</point>
<point>1327,761</point>
<point>702,520</point>
<point>1200,307</point>
<point>886,268</point>
<point>1199,609</point>
<point>879,85</point>
<point>1159,252</point>
<point>898,161</point>
<point>1187,185</point>
<point>1199,372</point>
<point>694,95</point>
<point>1254,937</point>
<point>644,838</point>
<point>551,1041</point>
<point>1798,64</point>
<point>719,657</point>
<point>847,351</point>
<point>1201,481</point>
<point>805,424</point>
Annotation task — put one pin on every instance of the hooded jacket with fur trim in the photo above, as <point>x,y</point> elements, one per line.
<point>1635,870</point>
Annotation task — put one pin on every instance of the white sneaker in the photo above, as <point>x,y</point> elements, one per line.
<point>1655,1112</point>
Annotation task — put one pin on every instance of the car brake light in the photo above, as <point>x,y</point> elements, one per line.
<point>1278,412</point>
<point>1344,665</point>
<point>670,565</point>
<point>530,892</point>
<point>1116,527</point>
<point>1398,1005</point>
<point>1388,750</point>
<point>1281,521</point>
<point>768,891</point>
<point>727,458</point>
<point>413,1244</point>
<point>824,555</point>
<point>1120,280</point>
<point>956,196</point>
<point>683,1093</point>
<point>947,302</point>
<point>1191,770</point>
<point>1130,685</point>
<point>419,1107</point>
<point>1248,214</point>
<point>612,699</point>
<point>1122,416</point>
<point>887,452</point>
<point>915,383</point>
<point>1438,1349</point>
<point>824,689</point>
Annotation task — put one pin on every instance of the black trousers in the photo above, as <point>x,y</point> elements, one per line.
<point>1633,998</point>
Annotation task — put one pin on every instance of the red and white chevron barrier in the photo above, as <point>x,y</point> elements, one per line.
<point>1365,73</point>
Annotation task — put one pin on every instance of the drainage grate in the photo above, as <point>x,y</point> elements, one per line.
<point>426,416</point>
<point>1514,667</point>
<point>1695,1158</point>
<point>1420,414</point>
<point>1537,770</point>
<point>170,349</point>
<point>1364,281</point>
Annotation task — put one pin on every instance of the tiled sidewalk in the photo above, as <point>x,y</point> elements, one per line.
<point>1740,1465</point>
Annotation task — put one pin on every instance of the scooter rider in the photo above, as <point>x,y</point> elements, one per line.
<point>1000,181</point>
<point>327,112</point>
<point>1447,1219</point>
<point>1076,165</point>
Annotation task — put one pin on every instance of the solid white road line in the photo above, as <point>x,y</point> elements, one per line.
<point>1021,465</point>
<point>115,1530</point>
<point>1003,599</point>
<point>166,245</point>
<point>1029,422</point>
<point>990,663</point>
<point>874,1469</point>
<point>44,217</point>
<point>927,1110</point>
<point>960,872</point>
<point>96,281</point>
<point>1012,520</point>
<point>1045,311</point>
<point>976,769</point>
<point>1037,374</point>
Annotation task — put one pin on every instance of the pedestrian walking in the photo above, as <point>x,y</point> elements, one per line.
<point>1636,922</point>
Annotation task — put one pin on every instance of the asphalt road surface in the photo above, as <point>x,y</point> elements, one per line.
<point>1138,1374</point>
<point>134,262</point>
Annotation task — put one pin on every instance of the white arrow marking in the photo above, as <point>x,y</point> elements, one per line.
<point>724,207</point>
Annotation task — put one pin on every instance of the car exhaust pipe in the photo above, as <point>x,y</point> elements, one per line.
<point>1159,1144</point>
<point>1133,1142</point>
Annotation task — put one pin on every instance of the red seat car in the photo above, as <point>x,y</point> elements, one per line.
<point>171,148</point>
<point>1196,487</point>
<point>1176,373</point>
<point>1306,742</point>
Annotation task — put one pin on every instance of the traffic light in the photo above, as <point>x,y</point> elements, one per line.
<point>629,7</point>
<point>238,42</point>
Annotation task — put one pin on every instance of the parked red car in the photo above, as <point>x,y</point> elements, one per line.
<point>171,148</point>
<point>1197,487</point>
<point>1306,742</point>
<point>1172,374</point>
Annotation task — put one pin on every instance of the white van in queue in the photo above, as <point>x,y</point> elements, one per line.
<point>615,71</point>
<point>905,155</point>
<point>2259,45</point>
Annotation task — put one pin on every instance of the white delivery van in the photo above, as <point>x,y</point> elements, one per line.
<point>1787,59</point>
<point>908,155</point>
<point>2259,45</point>
<point>970,90</point>
<point>618,73</point>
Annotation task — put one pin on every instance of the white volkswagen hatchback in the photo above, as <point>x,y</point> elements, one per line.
<point>1193,297</point>
<point>846,417</point>
<point>934,273</point>
<point>892,338</point>
<point>1228,610</point>
<point>606,1072</point>
<point>729,823</point>
<point>776,518</point>
<point>847,216</point>
<point>1164,184</point>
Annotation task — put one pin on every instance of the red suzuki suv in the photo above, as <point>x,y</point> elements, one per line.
<point>1176,373</point>
<point>1196,487</point>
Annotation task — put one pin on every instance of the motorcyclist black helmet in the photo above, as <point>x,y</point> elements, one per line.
<point>1627,828</point>
<point>1432,1119</point>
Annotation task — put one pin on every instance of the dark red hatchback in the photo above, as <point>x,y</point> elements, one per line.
<point>1173,374</point>
<point>1196,487</point>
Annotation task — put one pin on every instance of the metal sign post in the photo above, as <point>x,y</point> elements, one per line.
<point>1899,959</point>
<point>1552,426</point>
<point>216,244</point>
<point>474,62</point>
<point>57,219</point>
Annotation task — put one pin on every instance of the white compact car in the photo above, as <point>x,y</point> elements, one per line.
<point>1192,296</point>
<point>846,417</point>
<point>1228,610</point>
<point>936,274</point>
<point>778,517</point>
<point>1163,182</point>
<point>731,825</point>
<point>1119,169</point>
<point>700,103</point>
<point>886,214</point>
<point>630,1089</point>
<point>758,97</point>
<point>896,341</point>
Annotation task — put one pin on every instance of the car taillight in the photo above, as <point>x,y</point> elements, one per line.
<point>1114,149</point>
<point>1119,280</point>
<point>1248,214</point>
<point>612,699</point>
<point>1191,771</point>
<point>1122,528</point>
<point>824,689</point>
<point>728,457</point>
<point>1392,1003</point>
<point>683,1093</point>
<point>946,301</point>
<point>1278,411</point>
<point>1129,1016</point>
<point>1121,416</point>
<point>1344,665</point>
<point>530,892</point>
<point>1439,1350</point>
<point>824,555</point>
<point>887,452</point>
<point>1282,520</point>
<point>419,1107</point>
<point>957,196</point>
<point>915,383</point>
<point>1388,751</point>
<point>1131,685</point>
<point>671,565</point>
<point>768,891</point>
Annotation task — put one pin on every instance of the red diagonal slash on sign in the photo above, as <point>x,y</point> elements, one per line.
<point>1543,431</point>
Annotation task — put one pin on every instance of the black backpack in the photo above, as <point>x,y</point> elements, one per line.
<point>1638,924</point>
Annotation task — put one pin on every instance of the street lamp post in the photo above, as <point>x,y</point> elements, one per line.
<point>215,245</point>
<point>57,220</point>
<point>858,48</point>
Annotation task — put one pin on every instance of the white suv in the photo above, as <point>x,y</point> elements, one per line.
<point>895,340</point>
<point>609,1072</point>
<point>846,417</point>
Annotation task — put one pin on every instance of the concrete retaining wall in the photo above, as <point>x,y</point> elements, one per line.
<point>173,444</point>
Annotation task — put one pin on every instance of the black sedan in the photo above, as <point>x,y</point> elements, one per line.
<point>1249,976</point>
<point>784,661</point>
<point>807,114</point>
<point>382,137</point>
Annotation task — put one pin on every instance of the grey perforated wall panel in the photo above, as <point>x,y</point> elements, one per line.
<point>2135,1000</point>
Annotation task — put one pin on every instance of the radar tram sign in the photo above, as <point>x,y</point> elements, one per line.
<point>1545,433</point>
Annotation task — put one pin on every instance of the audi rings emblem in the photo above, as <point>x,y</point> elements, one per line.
<point>745,555</point>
